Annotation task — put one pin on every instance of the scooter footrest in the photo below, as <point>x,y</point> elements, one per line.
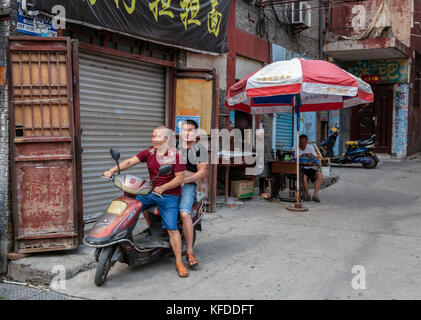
<point>148,243</point>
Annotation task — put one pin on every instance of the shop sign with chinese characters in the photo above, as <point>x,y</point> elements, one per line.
<point>195,24</point>
<point>380,71</point>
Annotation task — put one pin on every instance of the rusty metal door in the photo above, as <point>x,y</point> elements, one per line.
<point>42,139</point>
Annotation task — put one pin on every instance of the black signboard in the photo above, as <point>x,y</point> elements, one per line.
<point>196,24</point>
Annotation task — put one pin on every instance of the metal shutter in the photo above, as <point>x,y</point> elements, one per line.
<point>121,102</point>
<point>284,131</point>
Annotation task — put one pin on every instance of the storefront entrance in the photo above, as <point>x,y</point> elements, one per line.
<point>375,118</point>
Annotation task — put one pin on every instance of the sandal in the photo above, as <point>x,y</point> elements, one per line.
<point>265,195</point>
<point>182,270</point>
<point>191,260</point>
<point>316,199</point>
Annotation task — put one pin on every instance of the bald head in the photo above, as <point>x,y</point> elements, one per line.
<point>161,135</point>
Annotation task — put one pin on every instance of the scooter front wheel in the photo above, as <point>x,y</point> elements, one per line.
<point>104,265</point>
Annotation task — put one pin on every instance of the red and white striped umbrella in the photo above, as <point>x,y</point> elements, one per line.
<point>321,85</point>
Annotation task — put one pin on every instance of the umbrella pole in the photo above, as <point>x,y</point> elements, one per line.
<point>298,206</point>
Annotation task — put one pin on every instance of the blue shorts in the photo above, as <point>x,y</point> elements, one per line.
<point>188,191</point>
<point>167,206</point>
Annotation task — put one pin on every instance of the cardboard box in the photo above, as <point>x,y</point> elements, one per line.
<point>242,189</point>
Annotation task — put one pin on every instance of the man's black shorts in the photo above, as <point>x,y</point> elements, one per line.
<point>310,173</point>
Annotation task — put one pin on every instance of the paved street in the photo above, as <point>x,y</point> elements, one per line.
<point>19,292</point>
<point>369,218</point>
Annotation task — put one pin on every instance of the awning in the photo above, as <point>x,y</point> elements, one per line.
<point>367,49</point>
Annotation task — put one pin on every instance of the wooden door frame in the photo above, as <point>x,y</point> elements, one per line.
<point>353,119</point>
<point>390,114</point>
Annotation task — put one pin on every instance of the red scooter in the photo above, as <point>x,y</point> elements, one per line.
<point>112,235</point>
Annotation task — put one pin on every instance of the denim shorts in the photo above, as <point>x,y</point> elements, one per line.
<point>188,192</point>
<point>167,206</point>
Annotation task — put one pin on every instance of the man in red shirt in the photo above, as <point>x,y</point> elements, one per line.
<point>167,188</point>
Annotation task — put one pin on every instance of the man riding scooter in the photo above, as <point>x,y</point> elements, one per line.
<point>167,189</point>
<point>195,156</point>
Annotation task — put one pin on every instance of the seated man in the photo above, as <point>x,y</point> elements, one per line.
<point>196,170</point>
<point>314,175</point>
<point>167,189</point>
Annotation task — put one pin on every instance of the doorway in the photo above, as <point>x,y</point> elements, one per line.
<point>375,118</point>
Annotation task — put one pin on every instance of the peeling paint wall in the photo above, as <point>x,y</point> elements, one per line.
<point>400,15</point>
<point>400,120</point>
<point>308,126</point>
<point>195,60</point>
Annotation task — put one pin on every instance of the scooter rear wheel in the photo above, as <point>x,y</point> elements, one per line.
<point>372,164</point>
<point>104,265</point>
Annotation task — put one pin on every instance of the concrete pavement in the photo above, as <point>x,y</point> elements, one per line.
<point>369,220</point>
<point>19,292</point>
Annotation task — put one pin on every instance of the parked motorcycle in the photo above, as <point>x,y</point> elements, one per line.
<point>360,151</point>
<point>112,235</point>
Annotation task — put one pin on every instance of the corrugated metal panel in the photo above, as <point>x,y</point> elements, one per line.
<point>284,130</point>
<point>121,102</point>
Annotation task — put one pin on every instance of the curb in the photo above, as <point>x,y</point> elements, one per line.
<point>43,268</point>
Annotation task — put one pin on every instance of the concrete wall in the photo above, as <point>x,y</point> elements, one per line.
<point>345,129</point>
<point>267,121</point>
<point>6,232</point>
<point>400,120</point>
<point>308,126</point>
<point>195,60</point>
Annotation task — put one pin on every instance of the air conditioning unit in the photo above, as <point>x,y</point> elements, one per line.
<point>301,14</point>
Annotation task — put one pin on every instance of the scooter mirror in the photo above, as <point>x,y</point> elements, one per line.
<point>115,154</point>
<point>164,170</point>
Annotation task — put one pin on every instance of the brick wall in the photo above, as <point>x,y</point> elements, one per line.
<point>275,27</point>
<point>7,27</point>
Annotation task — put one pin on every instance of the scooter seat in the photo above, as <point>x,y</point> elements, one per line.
<point>365,142</point>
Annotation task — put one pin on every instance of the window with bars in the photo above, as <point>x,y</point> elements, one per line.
<point>40,93</point>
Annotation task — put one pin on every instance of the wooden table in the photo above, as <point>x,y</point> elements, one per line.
<point>289,168</point>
